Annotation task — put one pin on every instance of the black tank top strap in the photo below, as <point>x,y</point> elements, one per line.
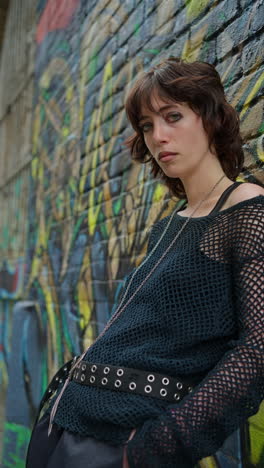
<point>225,196</point>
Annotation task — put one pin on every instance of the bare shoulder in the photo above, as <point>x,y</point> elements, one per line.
<point>245,192</point>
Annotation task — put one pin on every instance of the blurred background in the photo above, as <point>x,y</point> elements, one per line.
<point>74,211</point>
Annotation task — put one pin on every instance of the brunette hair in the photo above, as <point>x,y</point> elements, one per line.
<point>197,84</point>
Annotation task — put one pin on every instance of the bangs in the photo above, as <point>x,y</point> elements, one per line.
<point>142,95</point>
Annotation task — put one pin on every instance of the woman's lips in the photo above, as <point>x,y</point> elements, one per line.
<point>166,156</point>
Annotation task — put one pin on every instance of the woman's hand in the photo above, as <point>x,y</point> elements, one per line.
<point>125,461</point>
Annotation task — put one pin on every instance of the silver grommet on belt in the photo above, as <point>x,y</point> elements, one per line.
<point>106,370</point>
<point>118,383</point>
<point>83,366</point>
<point>57,378</point>
<point>163,392</point>
<point>104,381</point>
<point>94,368</point>
<point>92,379</point>
<point>190,389</point>
<point>151,377</point>
<point>148,389</point>
<point>60,381</point>
<point>120,372</point>
<point>65,369</point>
<point>165,381</point>
<point>132,386</point>
<point>176,396</point>
<point>179,385</point>
<point>82,377</point>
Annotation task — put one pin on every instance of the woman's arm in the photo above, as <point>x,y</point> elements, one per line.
<point>233,390</point>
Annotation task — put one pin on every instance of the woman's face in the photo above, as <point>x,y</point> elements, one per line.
<point>175,137</point>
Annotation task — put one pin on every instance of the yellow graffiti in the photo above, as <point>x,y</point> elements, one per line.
<point>84,305</point>
<point>260,148</point>
<point>195,7</point>
<point>252,93</point>
<point>36,131</point>
<point>192,46</point>
<point>34,167</point>
<point>256,435</point>
<point>159,192</point>
<point>208,462</point>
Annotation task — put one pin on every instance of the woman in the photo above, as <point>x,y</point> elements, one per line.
<point>180,365</point>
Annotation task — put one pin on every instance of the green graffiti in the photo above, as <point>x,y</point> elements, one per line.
<point>63,46</point>
<point>93,66</point>
<point>261,128</point>
<point>117,207</point>
<point>5,236</point>
<point>46,94</point>
<point>67,119</point>
<point>136,29</point>
<point>103,230</point>
<point>22,436</point>
<point>222,16</point>
<point>17,187</point>
<point>152,51</point>
<point>42,114</point>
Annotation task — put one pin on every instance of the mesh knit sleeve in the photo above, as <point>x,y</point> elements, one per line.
<point>232,390</point>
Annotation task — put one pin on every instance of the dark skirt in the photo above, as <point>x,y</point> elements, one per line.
<point>63,449</point>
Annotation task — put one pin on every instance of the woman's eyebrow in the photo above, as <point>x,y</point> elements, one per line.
<point>161,109</point>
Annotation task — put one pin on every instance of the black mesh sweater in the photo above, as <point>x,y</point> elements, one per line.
<point>200,315</point>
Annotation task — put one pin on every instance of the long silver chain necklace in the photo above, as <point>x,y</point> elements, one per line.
<point>122,306</point>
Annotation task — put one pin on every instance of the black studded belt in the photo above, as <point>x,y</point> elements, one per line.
<point>124,379</point>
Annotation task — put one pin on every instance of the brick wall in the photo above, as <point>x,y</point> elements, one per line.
<point>90,208</point>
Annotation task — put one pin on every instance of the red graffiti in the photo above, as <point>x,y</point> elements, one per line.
<point>57,15</point>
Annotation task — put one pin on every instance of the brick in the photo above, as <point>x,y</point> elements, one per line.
<point>257,13</point>
<point>241,90</point>
<point>89,6</point>
<point>132,25</point>
<point>252,54</point>
<point>157,44</point>
<point>107,52</point>
<point>166,11</point>
<point>106,21</point>
<point>230,70</point>
<point>129,6</point>
<point>236,33</point>
<point>217,18</point>
<point>120,163</point>
<point>252,120</point>
<point>149,6</point>
<point>176,49</point>
<point>245,3</point>
<point>119,59</point>
<point>208,52</point>
<point>251,150</point>
<point>181,23</point>
<point>95,83</point>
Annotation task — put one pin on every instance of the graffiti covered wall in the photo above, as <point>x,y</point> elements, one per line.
<point>90,208</point>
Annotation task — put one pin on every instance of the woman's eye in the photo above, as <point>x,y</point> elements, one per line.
<point>144,127</point>
<point>173,117</point>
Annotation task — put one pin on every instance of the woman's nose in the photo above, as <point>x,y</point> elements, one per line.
<point>160,133</point>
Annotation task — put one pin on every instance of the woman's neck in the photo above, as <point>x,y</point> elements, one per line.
<point>198,187</point>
